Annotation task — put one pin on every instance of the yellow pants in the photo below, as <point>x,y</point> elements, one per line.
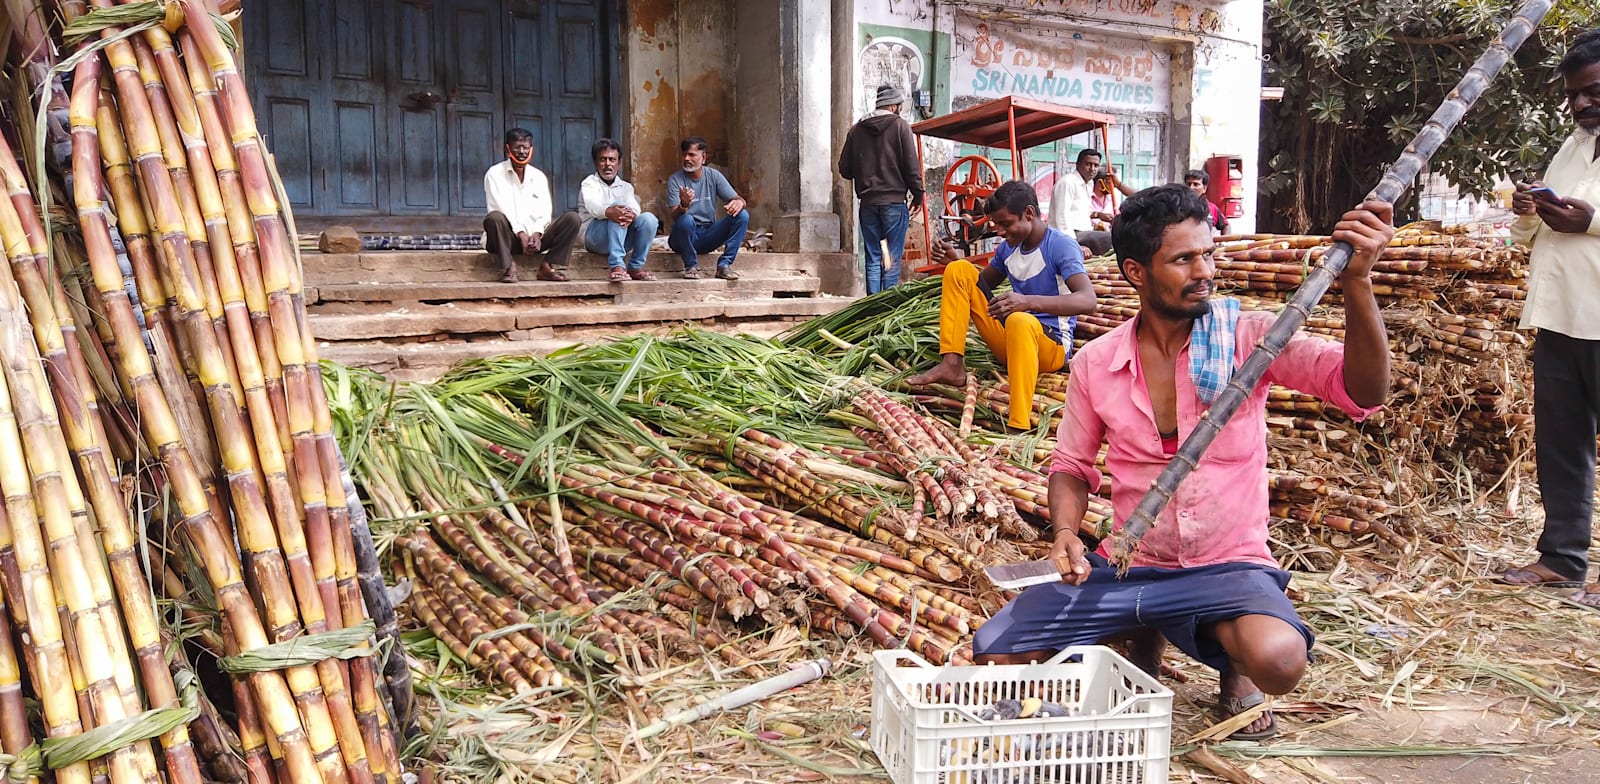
<point>1020,342</point>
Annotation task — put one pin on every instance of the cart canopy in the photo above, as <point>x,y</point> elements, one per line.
<point>1037,122</point>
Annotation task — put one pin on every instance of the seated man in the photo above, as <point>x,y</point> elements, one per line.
<point>1023,326</point>
<point>1072,203</point>
<point>693,192</point>
<point>519,221</point>
<point>1203,576</point>
<point>612,221</point>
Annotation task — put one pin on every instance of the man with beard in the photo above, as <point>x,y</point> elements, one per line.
<point>518,196</point>
<point>612,221</point>
<point>1023,327</point>
<point>1203,577</point>
<point>693,192</point>
<point>1557,217</point>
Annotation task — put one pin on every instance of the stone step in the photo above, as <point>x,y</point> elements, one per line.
<point>427,360</point>
<point>353,321</point>
<point>755,285</point>
<point>836,271</point>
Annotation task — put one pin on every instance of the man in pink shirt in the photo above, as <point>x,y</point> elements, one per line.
<point>1203,577</point>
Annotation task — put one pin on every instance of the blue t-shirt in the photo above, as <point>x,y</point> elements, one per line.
<point>711,184</point>
<point>1044,271</point>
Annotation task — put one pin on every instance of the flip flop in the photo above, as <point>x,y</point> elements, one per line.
<point>552,274</point>
<point>618,275</point>
<point>1233,706</point>
<point>1529,577</point>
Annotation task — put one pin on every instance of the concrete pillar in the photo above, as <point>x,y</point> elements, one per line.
<point>785,115</point>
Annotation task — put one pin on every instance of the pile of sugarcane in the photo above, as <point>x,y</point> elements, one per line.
<point>608,545</point>
<point>175,501</point>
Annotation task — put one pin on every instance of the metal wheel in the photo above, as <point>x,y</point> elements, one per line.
<point>969,182</point>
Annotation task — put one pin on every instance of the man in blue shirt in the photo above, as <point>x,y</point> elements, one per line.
<point>1023,327</point>
<point>692,193</point>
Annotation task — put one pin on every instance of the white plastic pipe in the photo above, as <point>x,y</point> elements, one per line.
<point>760,690</point>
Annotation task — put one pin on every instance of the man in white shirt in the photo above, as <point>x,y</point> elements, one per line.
<point>519,221</point>
<point>613,223</point>
<point>1072,203</point>
<point>1558,218</point>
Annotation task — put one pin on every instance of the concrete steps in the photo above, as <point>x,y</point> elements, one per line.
<point>411,314</point>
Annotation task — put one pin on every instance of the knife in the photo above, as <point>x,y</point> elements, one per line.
<point>1015,577</point>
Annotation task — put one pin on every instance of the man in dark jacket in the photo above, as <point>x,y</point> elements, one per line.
<point>880,156</point>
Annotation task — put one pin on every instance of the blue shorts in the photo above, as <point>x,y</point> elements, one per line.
<point>1182,604</point>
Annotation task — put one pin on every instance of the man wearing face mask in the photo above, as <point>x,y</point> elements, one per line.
<point>693,192</point>
<point>519,220</point>
<point>1029,327</point>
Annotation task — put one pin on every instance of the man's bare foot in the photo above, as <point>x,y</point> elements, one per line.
<point>951,371</point>
<point>1239,694</point>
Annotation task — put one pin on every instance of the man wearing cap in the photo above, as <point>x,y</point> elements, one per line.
<point>880,157</point>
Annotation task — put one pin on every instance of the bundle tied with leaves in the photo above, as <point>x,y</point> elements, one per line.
<point>175,499</point>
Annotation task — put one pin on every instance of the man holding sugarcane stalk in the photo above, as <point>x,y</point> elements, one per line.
<point>1204,576</point>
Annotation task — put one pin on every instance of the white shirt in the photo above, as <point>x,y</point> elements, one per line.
<point>595,196</point>
<point>525,201</point>
<point>1564,269</point>
<point>1070,203</point>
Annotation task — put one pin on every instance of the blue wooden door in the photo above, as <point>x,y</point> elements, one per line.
<point>558,64</point>
<point>396,107</point>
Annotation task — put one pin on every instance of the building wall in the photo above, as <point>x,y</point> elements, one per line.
<point>755,79</point>
<point>679,75</point>
<point>1183,77</point>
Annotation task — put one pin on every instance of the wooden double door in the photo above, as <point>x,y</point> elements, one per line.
<point>397,107</point>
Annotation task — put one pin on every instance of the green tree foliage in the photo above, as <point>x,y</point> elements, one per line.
<point>1360,77</point>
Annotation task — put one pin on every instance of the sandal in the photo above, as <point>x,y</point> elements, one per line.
<point>552,274</point>
<point>1536,575</point>
<point>618,275</point>
<point>691,273</point>
<point>1588,596</point>
<point>640,274</point>
<point>509,276</point>
<point>1232,706</point>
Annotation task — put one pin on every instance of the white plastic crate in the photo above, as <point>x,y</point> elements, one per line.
<point>926,727</point>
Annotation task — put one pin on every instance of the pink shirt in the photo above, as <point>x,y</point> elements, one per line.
<point>1219,514</point>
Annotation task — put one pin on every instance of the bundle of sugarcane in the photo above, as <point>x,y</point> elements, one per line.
<point>202,404</point>
<point>949,481</point>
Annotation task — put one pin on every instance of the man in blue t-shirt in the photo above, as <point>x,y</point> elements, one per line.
<point>1023,327</point>
<point>692,195</point>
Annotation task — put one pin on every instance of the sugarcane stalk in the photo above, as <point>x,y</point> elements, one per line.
<point>162,431</point>
<point>1396,180</point>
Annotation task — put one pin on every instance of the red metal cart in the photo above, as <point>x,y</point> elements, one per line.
<point>1010,122</point>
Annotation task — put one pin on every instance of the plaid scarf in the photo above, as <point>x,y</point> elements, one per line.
<point>1211,349</point>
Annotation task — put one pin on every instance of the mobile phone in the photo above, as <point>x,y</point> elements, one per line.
<point>1543,192</point>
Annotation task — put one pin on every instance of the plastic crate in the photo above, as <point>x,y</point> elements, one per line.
<point>926,727</point>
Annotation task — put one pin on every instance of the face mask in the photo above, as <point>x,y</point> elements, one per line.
<point>522,161</point>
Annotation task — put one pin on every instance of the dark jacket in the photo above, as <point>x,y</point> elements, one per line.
<point>880,155</point>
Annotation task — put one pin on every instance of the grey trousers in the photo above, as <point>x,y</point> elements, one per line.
<point>1566,417</point>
